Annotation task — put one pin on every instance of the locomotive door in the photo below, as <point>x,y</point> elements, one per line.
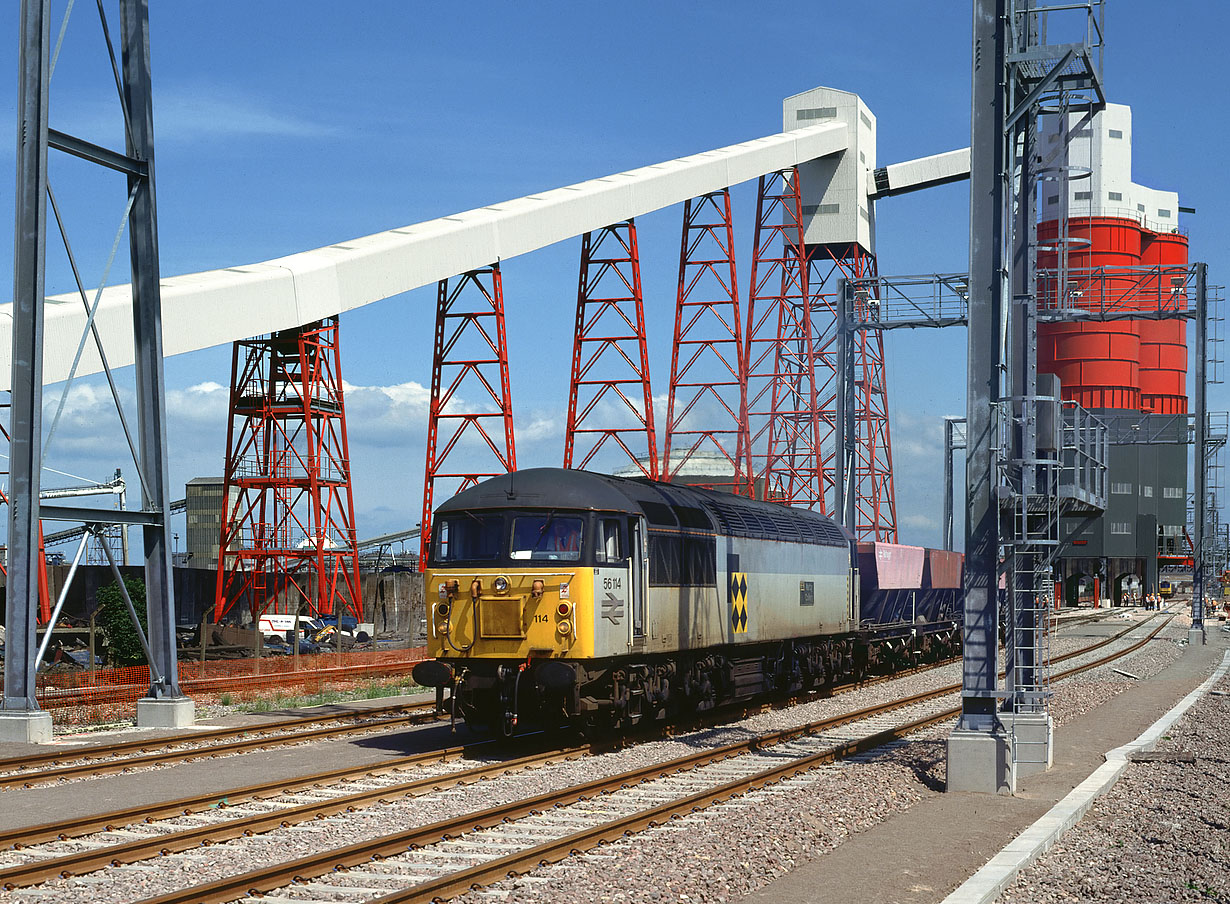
<point>638,564</point>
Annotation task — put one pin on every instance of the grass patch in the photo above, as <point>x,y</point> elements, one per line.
<point>372,689</point>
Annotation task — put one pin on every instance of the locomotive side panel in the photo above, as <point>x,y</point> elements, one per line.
<point>780,590</point>
<point>611,610</point>
<point>684,618</point>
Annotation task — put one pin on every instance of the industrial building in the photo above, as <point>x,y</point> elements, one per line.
<point>1132,374</point>
<point>203,496</point>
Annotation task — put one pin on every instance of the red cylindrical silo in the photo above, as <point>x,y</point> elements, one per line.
<point>1097,362</point>
<point>1163,343</point>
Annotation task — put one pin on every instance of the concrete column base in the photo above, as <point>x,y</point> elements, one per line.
<point>165,712</point>
<point>1033,741</point>
<point>25,726</point>
<point>1195,636</point>
<point>980,761</point>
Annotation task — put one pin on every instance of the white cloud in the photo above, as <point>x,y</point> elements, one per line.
<point>210,112</point>
<point>197,112</point>
<point>919,521</point>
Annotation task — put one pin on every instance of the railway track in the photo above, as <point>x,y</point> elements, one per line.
<point>24,771</point>
<point>804,748</point>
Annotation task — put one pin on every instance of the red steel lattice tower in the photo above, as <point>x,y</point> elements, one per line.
<point>288,536</point>
<point>784,454</point>
<point>609,399</point>
<point>875,507</point>
<point>44,596</point>
<point>707,407</point>
<point>469,369</point>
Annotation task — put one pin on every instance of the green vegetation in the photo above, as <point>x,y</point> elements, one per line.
<point>123,643</point>
<point>368,690</point>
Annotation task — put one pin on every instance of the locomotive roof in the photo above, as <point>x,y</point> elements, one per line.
<point>665,505</point>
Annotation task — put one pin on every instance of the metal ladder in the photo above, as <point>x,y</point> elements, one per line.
<point>1029,542</point>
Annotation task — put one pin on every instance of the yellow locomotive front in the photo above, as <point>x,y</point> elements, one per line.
<point>509,585</point>
<point>511,595</point>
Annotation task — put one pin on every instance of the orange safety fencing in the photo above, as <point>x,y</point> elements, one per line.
<point>111,694</point>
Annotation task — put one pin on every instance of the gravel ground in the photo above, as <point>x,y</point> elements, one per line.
<point>1161,834</point>
<point>727,851</point>
<point>714,855</point>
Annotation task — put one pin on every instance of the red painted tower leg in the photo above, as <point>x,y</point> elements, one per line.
<point>610,361</point>
<point>708,368</point>
<point>288,533</point>
<point>875,498</point>
<point>44,597</point>
<point>470,362</point>
<point>784,455</point>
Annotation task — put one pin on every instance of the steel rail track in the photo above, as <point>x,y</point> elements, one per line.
<point>65,829</point>
<point>133,851</point>
<point>136,850</point>
<point>155,752</point>
<point>143,744</point>
<point>93,760</point>
<point>349,856</point>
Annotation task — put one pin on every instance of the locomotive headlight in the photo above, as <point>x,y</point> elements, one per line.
<point>564,628</point>
<point>500,584</point>
<point>564,609</point>
<point>442,610</point>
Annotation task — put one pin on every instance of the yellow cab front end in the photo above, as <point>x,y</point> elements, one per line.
<point>509,614</point>
<point>499,613</point>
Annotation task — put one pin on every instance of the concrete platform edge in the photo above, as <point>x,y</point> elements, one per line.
<point>986,884</point>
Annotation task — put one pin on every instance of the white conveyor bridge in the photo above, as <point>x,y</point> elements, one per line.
<point>201,310</point>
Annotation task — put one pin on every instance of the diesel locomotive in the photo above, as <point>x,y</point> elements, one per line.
<point>570,597</point>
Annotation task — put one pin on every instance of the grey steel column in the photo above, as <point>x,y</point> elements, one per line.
<point>843,401</point>
<point>839,405</point>
<point>147,344</point>
<point>948,513</point>
<point>986,298</point>
<point>1023,373</point>
<point>1202,438</point>
<point>26,425</point>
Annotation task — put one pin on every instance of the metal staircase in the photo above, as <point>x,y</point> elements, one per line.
<point>1051,464</point>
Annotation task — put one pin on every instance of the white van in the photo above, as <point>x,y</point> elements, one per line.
<point>274,626</point>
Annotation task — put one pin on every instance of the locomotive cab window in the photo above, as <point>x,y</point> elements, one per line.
<point>547,538</point>
<point>610,548</point>
<point>469,538</point>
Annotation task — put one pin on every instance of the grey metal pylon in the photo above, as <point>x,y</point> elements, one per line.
<point>987,291</point>
<point>1200,456</point>
<point>26,426</point>
<point>149,449</point>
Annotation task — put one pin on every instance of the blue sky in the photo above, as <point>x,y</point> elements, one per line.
<point>282,127</point>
